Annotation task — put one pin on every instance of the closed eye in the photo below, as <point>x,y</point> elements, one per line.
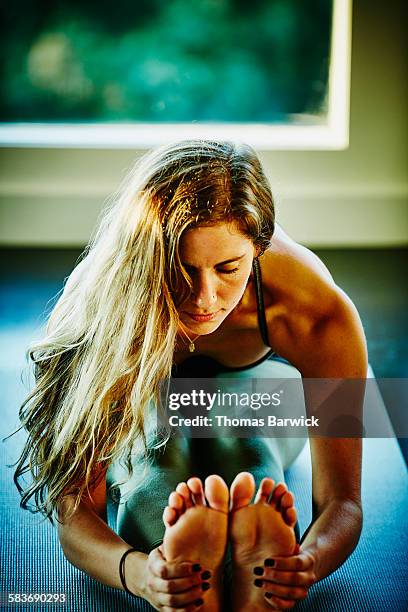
<point>228,271</point>
<point>191,270</point>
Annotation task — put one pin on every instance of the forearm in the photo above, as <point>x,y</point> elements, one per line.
<point>90,545</point>
<point>333,535</point>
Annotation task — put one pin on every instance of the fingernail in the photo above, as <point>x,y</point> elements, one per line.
<point>205,575</point>
<point>258,571</point>
<point>196,567</point>
<point>199,602</point>
<point>269,562</point>
<point>258,582</point>
<point>205,586</point>
<point>268,595</point>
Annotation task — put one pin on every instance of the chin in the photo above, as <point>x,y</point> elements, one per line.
<point>202,328</point>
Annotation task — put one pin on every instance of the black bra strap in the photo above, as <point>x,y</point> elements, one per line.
<point>260,302</point>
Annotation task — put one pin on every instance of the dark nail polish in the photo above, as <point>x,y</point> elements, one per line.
<point>199,602</point>
<point>258,571</point>
<point>206,575</point>
<point>269,562</point>
<point>196,567</point>
<point>258,582</point>
<point>205,586</point>
<point>268,595</point>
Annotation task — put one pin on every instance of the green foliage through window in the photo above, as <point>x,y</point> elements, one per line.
<point>165,61</point>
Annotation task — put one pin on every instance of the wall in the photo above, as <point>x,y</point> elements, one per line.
<point>337,198</point>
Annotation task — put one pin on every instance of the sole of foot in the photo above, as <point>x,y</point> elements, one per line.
<point>196,521</point>
<point>258,531</point>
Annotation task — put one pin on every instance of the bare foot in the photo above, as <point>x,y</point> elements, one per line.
<point>196,522</point>
<point>258,532</point>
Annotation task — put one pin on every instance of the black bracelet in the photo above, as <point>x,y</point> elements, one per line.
<point>122,570</point>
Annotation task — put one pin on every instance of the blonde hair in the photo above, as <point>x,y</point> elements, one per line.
<point>110,338</point>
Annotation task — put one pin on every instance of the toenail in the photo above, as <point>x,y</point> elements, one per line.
<point>199,602</point>
<point>205,586</point>
<point>196,567</point>
<point>205,575</point>
<point>258,582</point>
<point>268,595</point>
<point>258,571</point>
<point>269,562</point>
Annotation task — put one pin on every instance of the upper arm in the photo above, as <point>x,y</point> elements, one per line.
<point>336,346</point>
<point>95,497</point>
<point>321,333</point>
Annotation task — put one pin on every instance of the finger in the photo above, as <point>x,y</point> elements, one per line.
<point>287,592</point>
<point>162,569</point>
<point>175,585</point>
<point>179,600</point>
<point>196,487</point>
<point>295,563</point>
<point>279,604</point>
<point>264,491</point>
<point>184,491</point>
<point>305,579</point>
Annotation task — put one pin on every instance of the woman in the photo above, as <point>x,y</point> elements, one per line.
<point>188,276</point>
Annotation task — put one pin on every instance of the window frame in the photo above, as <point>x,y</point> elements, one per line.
<point>333,134</point>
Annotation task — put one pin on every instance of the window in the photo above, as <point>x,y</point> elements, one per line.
<point>78,72</point>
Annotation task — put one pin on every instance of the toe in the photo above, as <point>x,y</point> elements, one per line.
<point>217,494</point>
<point>277,494</point>
<point>176,501</point>
<point>185,493</point>
<point>290,517</point>
<point>264,491</point>
<point>242,490</point>
<point>170,516</point>
<point>287,500</point>
<point>196,488</point>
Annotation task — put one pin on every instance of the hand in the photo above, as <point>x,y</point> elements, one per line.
<point>289,579</point>
<point>176,586</point>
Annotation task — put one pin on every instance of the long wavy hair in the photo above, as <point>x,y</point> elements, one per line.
<point>110,338</point>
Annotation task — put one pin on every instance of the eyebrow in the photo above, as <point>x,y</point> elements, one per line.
<point>221,263</point>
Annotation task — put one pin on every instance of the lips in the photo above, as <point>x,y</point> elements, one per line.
<point>202,318</point>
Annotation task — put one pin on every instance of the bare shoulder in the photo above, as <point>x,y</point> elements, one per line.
<point>296,279</point>
<point>309,315</point>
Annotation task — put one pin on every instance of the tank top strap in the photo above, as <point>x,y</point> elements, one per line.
<point>260,305</point>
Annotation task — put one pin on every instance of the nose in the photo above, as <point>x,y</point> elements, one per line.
<point>204,292</point>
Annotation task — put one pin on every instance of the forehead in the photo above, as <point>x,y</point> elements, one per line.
<point>208,245</point>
